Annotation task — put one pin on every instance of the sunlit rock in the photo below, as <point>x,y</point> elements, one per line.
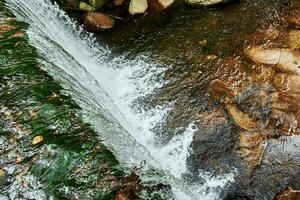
<point>86,7</point>
<point>289,194</point>
<point>37,139</point>
<point>196,3</point>
<point>286,106</point>
<point>251,149</point>
<point>240,118</point>
<point>294,39</point>
<point>159,5</point>
<point>138,7</point>
<point>295,16</point>
<point>284,60</point>
<point>96,21</point>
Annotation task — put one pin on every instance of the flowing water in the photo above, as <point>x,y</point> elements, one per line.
<point>110,90</point>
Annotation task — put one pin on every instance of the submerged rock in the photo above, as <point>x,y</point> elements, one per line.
<point>96,21</point>
<point>138,7</point>
<point>199,3</point>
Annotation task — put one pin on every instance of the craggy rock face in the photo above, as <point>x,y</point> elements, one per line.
<point>258,130</point>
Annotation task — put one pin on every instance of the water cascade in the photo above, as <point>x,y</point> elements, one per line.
<point>107,87</point>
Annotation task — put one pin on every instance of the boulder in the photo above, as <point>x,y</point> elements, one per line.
<point>159,5</point>
<point>200,3</point>
<point>96,21</point>
<point>138,7</point>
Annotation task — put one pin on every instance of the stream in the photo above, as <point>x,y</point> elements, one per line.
<point>144,89</point>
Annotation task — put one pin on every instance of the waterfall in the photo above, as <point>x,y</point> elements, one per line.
<point>105,87</point>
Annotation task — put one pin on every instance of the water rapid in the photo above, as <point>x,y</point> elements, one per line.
<point>107,88</point>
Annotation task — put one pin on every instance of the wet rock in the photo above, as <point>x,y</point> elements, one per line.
<point>255,100</point>
<point>295,17</point>
<point>294,39</point>
<point>159,5</point>
<point>199,3</point>
<point>138,7</point>
<point>213,145</point>
<point>96,21</point>
<point>240,118</point>
<point>286,106</point>
<point>284,60</point>
<point>278,170</point>
<point>86,7</point>
<point>130,185</point>
<point>220,89</point>
<point>251,150</point>
<point>289,194</point>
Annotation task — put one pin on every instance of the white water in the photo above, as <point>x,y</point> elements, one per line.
<point>106,89</point>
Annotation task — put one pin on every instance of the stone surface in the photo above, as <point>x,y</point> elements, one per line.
<point>289,194</point>
<point>285,60</point>
<point>159,5</point>
<point>196,3</point>
<point>294,39</point>
<point>96,21</point>
<point>213,145</point>
<point>138,7</point>
<point>86,7</point>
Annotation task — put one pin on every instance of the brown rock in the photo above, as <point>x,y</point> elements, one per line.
<point>295,17</point>
<point>131,184</point>
<point>285,60</point>
<point>240,118</point>
<point>95,21</point>
<point>294,39</point>
<point>289,194</point>
<point>220,89</point>
<point>251,149</point>
<point>159,5</point>
<point>286,106</point>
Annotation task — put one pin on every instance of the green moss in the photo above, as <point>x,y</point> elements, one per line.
<point>71,155</point>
